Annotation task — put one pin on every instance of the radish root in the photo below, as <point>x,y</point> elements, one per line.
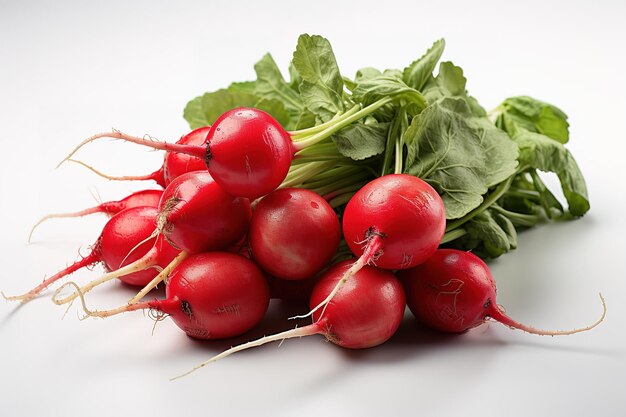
<point>372,251</point>
<point>498,315</point>
<point>81,213</point>
<point>289,334</point>
<point>79,293</point>
<point>145,262</point>
<point>146,177</point>
<point>163,275</point>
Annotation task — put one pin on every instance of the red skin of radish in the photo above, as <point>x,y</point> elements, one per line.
<point>249,152</point>
<point>365,312</point>
<point>144,198</point>
<point>406,214</point>
<point>215,295</point>
<point>204,217</point>
<point>294,233</point>
<point>177,164</point>
<point>119,240</point>
<point>454,291</point>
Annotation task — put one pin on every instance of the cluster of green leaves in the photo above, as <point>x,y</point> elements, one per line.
<point>415,121</point>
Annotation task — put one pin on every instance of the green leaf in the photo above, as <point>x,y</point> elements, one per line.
<point>366,73</point>
<point>372,89</point>
<point>543,153</point>
<point>495,232</point>
<point>529,114</point>
<point>205,109</point>
<point>271,85</point>
<point>450,82</point>
<point>305,120</point>
<point>242,87</point>
<point>294,78</point>
<point>417,74</point>
<point>277,109</point>
<point>361,141</point>
<point>460,155</point>
<point>395,73</point>
<point>321,87</point>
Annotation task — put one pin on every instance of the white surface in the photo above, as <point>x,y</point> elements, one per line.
<point>69,69</point>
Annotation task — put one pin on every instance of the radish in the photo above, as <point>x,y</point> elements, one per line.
<point>127,232</point>
<point>365,312</point>
<point>144,198</point>
<point>247,151</point>
<point>293,233</point>
<point>396,221</point>
<point>453,291</point>
<point>197,215</point>
<point>209,296</point>
<point>174,164</point>
<point>194,215</point>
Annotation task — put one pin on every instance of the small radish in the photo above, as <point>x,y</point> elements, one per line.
<point>144,198</point>
<point>174,164</point>
<point>396,221</point>
<point>194,215</point>
<point>247,151</point>
<point>453,291</point>
<point>129,230</point>
<point>293,233</point>
<point>365,312</point>
<point>211,295</point>
<point>197,215</point>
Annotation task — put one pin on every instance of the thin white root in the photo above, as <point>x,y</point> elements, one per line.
<point>115,134</point>
<point>145,262</point>
<point>160,278</point>
<point>356,267</point>
<point>297,332</point>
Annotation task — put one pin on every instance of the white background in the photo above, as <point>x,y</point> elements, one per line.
<point>70,69</point>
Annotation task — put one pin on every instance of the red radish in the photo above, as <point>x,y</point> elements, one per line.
<point>396,221</point>
<point>293,233</point>
<point>174,164</point>
<point>366,311</point>
<point>211,295</point>
<point>144,198</point>
<point>127,231</point>
<point>247,151</point>
<point>453,291</point>
<point>195,215</point>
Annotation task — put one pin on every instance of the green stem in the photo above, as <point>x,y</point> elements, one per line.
<point>389,148</point>
<point>339,124</point>
<point>491,198</point>
<point>520,219</point>
<point>333,191</point>
<point>305,173</point>
<point>341,200</point>
<point>399,155</point>
<point>452,235</point>
<point>296,134</point>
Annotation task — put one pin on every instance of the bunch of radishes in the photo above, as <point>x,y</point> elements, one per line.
<point>221,239</point>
